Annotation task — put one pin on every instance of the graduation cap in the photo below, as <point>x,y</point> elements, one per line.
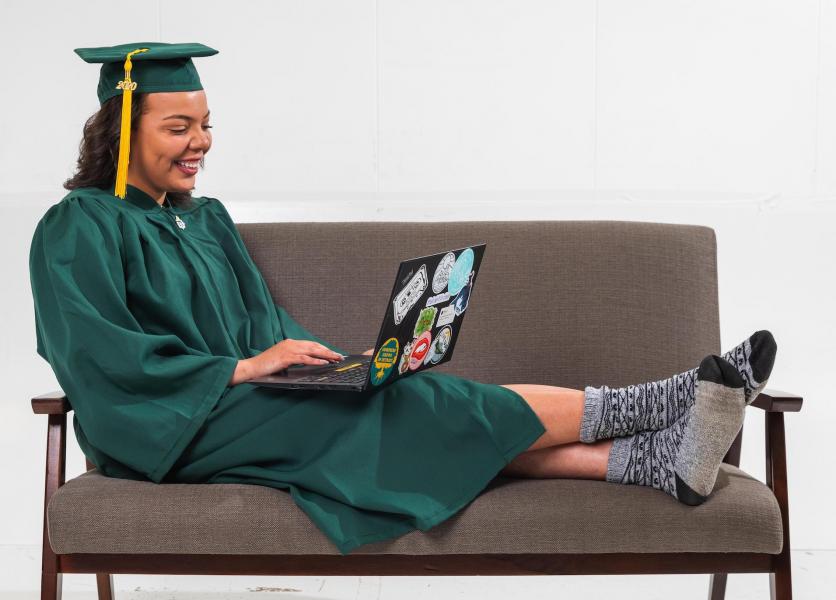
<point>159,67</point>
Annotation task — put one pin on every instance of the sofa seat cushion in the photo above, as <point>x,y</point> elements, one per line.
<point>93,513</point>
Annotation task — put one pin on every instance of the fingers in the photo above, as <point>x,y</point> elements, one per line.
<point>304,359</point>
<point>327,352</point>
<point>320,351</point>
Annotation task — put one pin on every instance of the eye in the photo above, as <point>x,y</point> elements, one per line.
<point>180,131</point>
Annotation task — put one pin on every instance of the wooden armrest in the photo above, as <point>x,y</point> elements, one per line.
<point>778,401</point>
<point>52,403</point>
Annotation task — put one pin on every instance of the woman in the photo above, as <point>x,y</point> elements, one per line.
<point>154,317</point>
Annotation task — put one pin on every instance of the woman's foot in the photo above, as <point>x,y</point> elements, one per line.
<point>683,459</point>
<point>656,405</point>
<point>754,359</point>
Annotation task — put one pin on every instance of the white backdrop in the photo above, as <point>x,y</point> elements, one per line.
<point>715,113</point>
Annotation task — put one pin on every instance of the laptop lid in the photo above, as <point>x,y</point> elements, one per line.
<point>425,313</point>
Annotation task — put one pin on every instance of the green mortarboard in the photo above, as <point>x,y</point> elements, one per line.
<point>162,68</point>
<point>159,67</point>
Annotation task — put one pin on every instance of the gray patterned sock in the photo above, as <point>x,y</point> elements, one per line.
<point>616,412</point>
<point>683,460</point>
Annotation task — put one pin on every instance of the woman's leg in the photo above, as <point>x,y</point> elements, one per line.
<point>560,409</point>
<point>576,461</point>
<point>558,453</point>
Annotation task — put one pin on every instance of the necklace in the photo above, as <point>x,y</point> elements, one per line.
<point>177,218</point>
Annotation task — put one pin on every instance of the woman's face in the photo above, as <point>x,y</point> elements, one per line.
<point>172,136</point>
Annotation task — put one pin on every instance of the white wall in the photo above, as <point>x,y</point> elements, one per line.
<point>711,112</point>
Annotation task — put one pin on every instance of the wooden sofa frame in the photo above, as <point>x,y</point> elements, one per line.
<point>773,402</point>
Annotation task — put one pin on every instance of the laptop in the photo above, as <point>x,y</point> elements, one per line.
<point>423,318</point>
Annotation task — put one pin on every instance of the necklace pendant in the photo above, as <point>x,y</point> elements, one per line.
<point>179,222</point>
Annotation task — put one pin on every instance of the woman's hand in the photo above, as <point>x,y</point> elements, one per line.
<point>282,355</point>
<point>369,351</point>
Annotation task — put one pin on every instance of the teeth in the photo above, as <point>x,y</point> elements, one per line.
<point>188,165</point>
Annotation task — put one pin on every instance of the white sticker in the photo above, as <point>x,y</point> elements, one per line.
<point>439,346</point>
<point>442,272</point>
<point>446,316</point>
<point>408,296</point>
<point>443,297</point>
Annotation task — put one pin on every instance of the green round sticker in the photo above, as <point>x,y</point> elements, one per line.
<point>384,361</point>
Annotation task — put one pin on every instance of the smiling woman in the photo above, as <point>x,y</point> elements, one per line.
<point>153,317</point>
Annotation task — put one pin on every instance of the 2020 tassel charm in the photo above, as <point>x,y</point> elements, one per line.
<point>127,86</point>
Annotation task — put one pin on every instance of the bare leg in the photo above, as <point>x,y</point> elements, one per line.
<point>560,409</point>
<point>577,461</point>
<point>558,452</point>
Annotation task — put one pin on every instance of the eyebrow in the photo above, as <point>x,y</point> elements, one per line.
<point>187,117</point>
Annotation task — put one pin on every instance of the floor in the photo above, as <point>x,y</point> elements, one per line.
<point>814,578</point>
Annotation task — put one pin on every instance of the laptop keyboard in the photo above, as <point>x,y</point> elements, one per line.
<point>356,374</point>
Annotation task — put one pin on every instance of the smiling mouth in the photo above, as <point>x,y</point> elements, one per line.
<point>188,167</point>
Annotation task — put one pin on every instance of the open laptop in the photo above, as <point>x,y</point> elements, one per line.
<point>422,322</point>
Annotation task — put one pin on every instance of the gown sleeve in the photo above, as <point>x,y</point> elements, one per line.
<point>138,397</point>
<point>289,326</point>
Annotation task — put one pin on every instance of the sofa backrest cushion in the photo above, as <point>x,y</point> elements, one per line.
<point>567,303</point>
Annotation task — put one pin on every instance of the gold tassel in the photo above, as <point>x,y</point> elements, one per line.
<point>127,86</point>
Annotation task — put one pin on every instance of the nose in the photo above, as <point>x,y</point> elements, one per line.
<point>201,141</point>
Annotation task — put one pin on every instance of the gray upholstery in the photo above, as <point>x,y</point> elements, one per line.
<point>567,303</point>
<point>94,513</point>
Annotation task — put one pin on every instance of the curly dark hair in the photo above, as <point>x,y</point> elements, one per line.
<point>98,152</point>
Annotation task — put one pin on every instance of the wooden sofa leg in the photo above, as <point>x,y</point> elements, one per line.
<point>717,586</point>
<point>780,585</point>
<point>780,580</point>
<point>104,582</point>
<point>50,586</point>
<point>54,478</point>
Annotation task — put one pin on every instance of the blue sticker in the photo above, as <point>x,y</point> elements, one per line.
<point>459,303</point>
<point>460,271</point>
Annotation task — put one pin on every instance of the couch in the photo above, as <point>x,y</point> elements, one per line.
<point>568,303</point>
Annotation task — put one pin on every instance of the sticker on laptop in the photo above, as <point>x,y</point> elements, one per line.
<point>439,345</point>
<point>404,364</point>
<point>460,271</point>
<point>419,350</point>
<point>442,273</point>
<point>425,320</point>
<point>438,299</point>
<point>446,316</point>
<point>384,361</point>
<point>461,300</point>
<point>411,293</point>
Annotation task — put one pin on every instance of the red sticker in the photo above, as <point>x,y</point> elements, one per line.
<point>419,350</point>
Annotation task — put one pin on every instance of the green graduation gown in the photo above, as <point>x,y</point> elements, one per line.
<point>143,323</point>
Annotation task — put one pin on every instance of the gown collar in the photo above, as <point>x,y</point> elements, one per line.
<point>136,197</point>
<point>140,199</point>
